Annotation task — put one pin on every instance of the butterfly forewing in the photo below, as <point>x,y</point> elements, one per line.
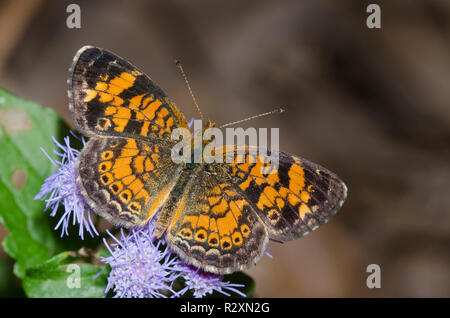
<point>110,97</point>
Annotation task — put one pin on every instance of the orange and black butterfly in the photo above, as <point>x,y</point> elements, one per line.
<point>216,216</point>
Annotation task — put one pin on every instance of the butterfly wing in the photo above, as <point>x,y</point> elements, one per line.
<point>293,199</point>
<point>229,210</point>
<point>214,227</point>
<point>110,97</point>
<point>126,180</point>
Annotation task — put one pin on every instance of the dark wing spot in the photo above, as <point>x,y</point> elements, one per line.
<point>213,241</point>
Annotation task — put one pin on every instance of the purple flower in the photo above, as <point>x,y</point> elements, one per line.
<point>141,266</point>
<point>202,283</point>
<point>61,188</point>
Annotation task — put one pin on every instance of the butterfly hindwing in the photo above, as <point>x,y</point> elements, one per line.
<point>110,97</point>
<point>215,228</point>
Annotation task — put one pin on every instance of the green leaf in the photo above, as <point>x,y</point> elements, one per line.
<point>24,127</point>
<point>61,277</point>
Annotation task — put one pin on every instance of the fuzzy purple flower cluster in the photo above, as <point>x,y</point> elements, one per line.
<point>142,266</point>
<point>61,189</point>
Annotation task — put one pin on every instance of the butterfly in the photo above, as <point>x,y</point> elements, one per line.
<point>216,216</point>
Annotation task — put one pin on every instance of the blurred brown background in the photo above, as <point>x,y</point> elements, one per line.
<point>372,105</point>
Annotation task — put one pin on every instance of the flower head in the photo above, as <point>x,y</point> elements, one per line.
<point>61,188</point>
<point>202,283</point>
<point>141,266</point>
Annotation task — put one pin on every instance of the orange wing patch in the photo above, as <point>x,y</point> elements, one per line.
<point>120,184</point>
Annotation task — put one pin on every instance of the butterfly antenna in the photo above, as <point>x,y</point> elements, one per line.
<point>180,67</point>
<point>275,111</point>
